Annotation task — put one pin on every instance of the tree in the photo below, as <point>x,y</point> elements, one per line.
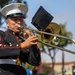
<point>51,51</point>
<point>46,69</point>
<point>64,43</point>
<point>64,32</point>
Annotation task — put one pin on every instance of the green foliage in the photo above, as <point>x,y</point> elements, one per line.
<point>39,44</point>
<point>65,33</point>
<point>59,41</point>
<point>46,69</point>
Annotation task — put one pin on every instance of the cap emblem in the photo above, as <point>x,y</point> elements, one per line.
<point>19,6</point>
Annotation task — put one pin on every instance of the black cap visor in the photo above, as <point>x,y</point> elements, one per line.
<point>16,15</point>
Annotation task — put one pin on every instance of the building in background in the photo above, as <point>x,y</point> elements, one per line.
<point>69,68</point>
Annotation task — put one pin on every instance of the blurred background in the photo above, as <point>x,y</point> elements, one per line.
<point>63,12</point>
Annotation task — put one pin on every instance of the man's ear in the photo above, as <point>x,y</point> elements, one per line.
<point>7,22</point>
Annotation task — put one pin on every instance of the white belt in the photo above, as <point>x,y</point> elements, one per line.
<point>7,61</point>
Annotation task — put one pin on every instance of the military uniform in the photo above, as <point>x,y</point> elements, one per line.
<point>10,49</point>
<point>11,55</point>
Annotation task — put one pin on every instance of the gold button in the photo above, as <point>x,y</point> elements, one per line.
<point>10,44</point>
<point>13,33</point>
<point>4,45</point>
<point>20,40</point>
<point>17,45</point>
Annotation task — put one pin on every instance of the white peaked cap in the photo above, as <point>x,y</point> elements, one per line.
<point>14,8</point>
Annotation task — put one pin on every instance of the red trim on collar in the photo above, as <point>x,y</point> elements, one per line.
<point>0,38</point>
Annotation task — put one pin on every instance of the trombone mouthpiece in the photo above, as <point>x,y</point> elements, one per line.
<point>18,25</point>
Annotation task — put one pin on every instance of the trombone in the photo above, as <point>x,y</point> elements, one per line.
<point>51,31</point>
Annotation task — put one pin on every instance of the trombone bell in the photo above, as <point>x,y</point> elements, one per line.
<point>53,28</point>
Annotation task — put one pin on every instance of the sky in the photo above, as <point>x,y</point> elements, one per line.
<point>63,11</point>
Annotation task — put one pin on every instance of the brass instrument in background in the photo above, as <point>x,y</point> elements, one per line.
<point>51,31</point>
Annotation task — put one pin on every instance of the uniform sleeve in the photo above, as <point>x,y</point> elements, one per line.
<point>7,50</point>
<point>31,56</point>
<point>34,57</point>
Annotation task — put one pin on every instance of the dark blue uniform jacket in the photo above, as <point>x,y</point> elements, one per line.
<point>10,48</point>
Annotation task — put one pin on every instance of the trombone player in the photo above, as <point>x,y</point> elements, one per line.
<point>14,51</point>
